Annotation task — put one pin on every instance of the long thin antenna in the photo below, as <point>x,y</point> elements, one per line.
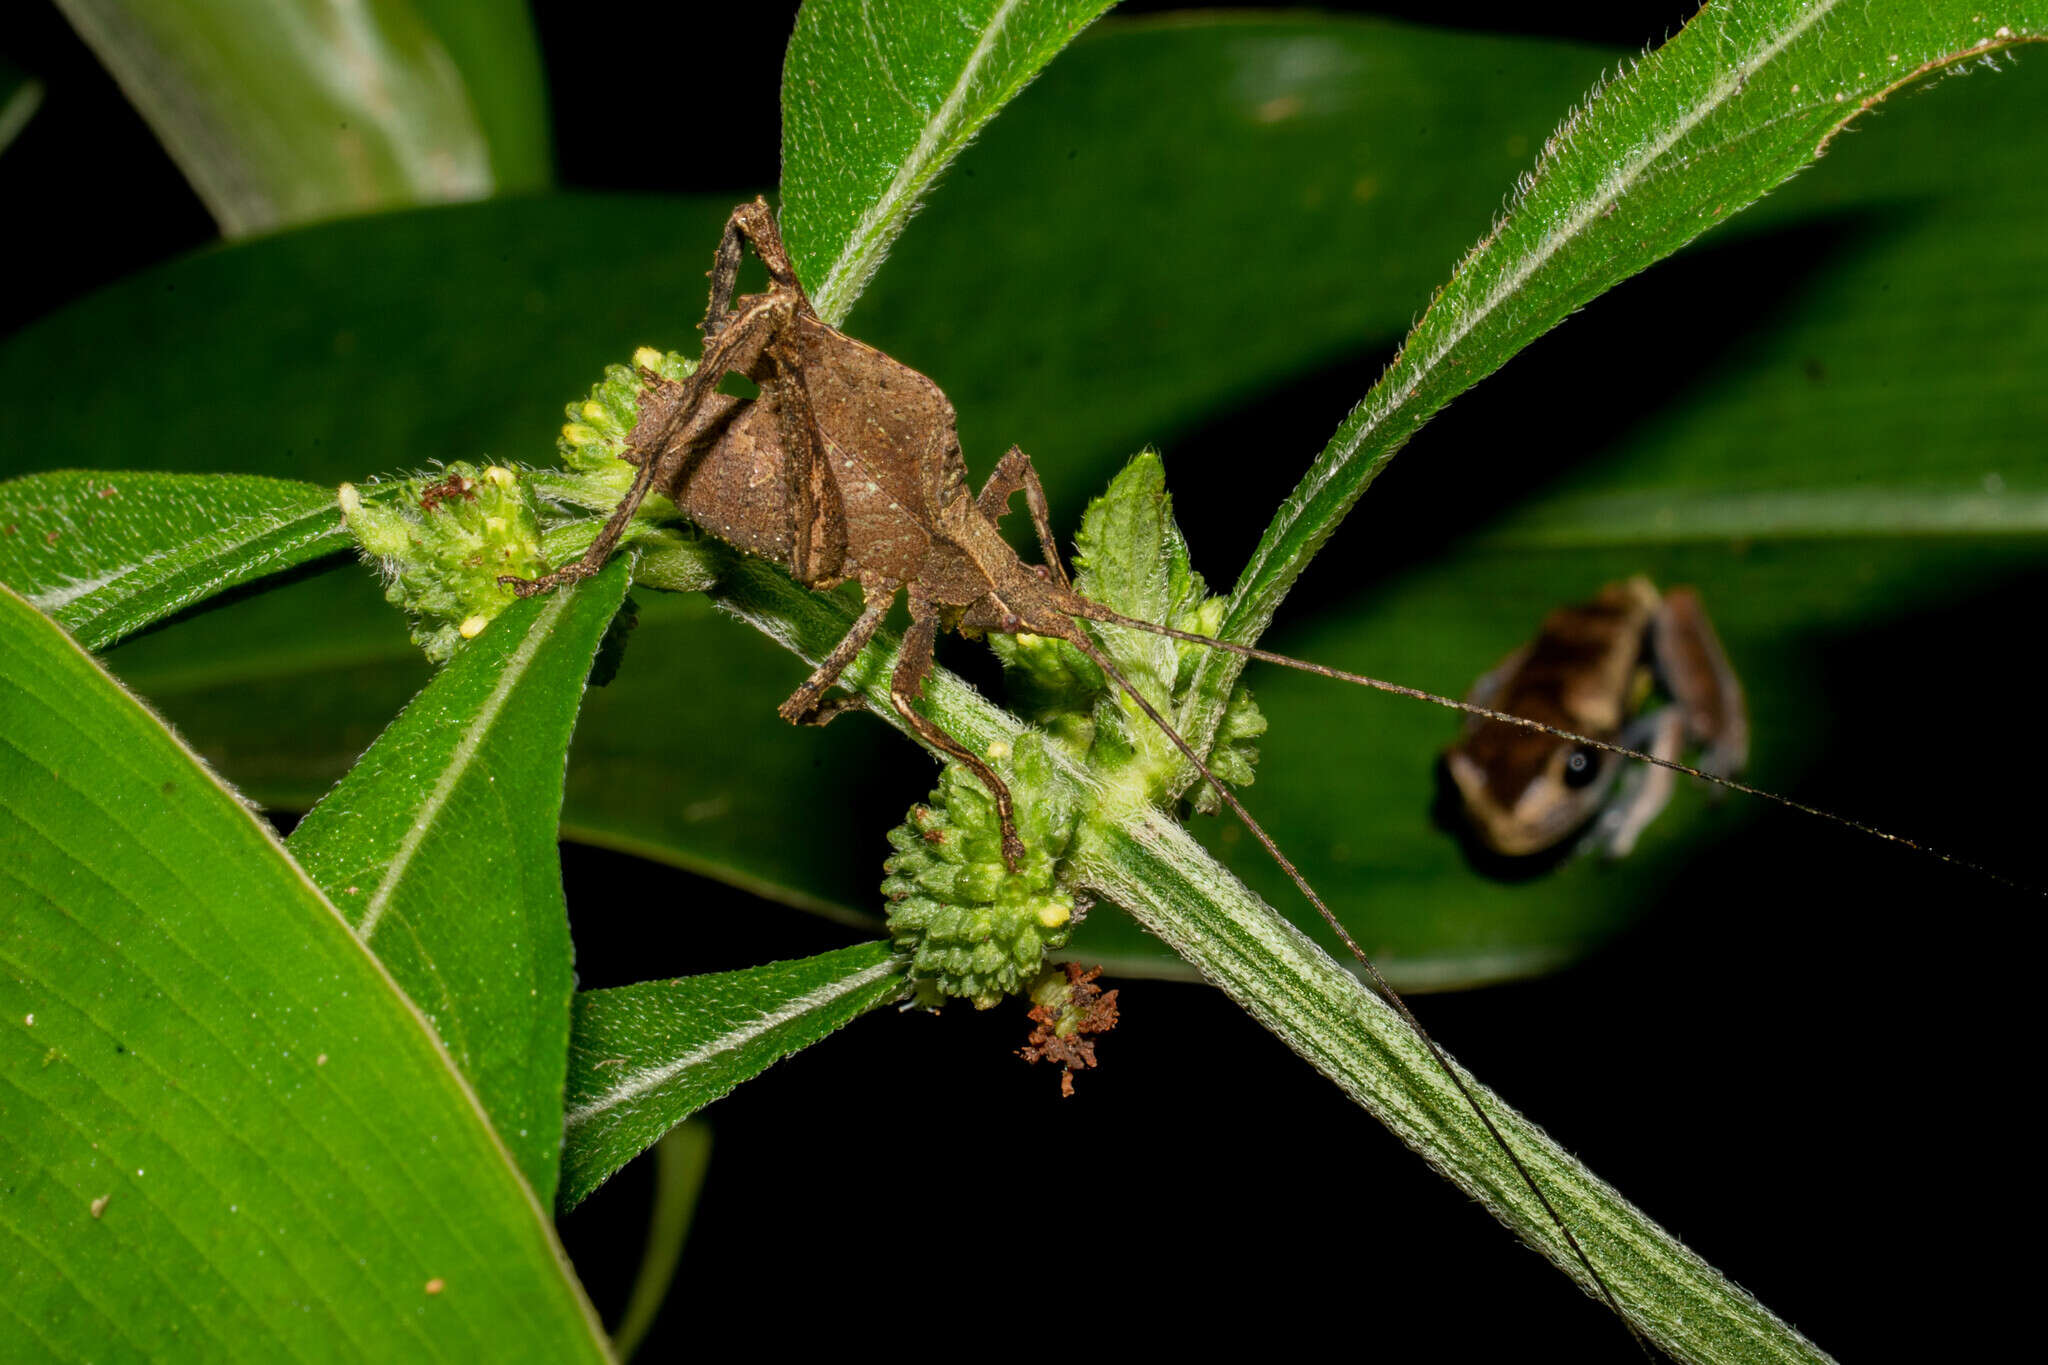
<point>1379,983</point>
<point>1488,713</point>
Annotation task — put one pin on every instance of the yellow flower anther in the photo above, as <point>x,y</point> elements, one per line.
<point>594,411</point>
<point>1053,916</point>
<point>576,434</point>
<point>473,627</point>
<point>647,358</point>
<point>501,476</point>
<point>999,749</point>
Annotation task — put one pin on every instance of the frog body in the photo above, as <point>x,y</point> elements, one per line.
<point>1633,667</point>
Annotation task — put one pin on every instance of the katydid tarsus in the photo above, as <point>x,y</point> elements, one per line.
<point>846,466</point>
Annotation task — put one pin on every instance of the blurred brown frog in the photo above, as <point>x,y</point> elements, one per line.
<point>1632,667</point>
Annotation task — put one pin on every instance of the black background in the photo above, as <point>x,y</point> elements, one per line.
<point>911,1187</point>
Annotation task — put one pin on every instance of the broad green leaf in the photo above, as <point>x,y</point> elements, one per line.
<point>20,94</point>
<point>358,347</point>
<point>106,554</point>
<point>439,850</point>
<point>286,111</point>
<point>877,99</point>
<point>645,1057</point>
<point>228,1135</point>
<point>1741,100</point>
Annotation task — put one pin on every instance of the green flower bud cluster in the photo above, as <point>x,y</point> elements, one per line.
<point>442,543</point>
<point>593,441</point>
<point>973,928</point>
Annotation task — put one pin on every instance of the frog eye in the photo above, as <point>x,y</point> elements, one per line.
<point>1582,767</point>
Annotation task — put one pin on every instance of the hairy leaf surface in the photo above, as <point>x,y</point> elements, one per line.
<point>439,850</point>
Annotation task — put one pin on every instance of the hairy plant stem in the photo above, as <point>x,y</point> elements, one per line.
<point>1146,863</point>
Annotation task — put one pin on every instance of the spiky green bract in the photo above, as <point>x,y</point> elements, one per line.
<point>442,542</point>
<point>1131,557</point>
<point>973,928</point>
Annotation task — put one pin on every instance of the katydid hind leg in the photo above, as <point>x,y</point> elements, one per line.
<point>752,223</point>
<point>805,704</point>
<point>913,665</point>
<point>818,530</point>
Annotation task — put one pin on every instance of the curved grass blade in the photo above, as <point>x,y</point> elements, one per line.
<point>647,1056</point>
<point>226,1128</point>
<point>20,94</point>
<point>106,554</point>
<point>439,850</point>
<point>877,99</point>
<point>287,111</point>
<point>680,1159</point>
<point>1742,99</point>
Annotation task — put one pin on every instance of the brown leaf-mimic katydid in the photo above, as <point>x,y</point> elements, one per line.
<point>847,467</point>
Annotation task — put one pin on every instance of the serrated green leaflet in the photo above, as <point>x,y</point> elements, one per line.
<point>645,1057</point>
<point>283,113</point>
<point>107,553</point>
<point>877,98</point>
<point>438,848</point>
<point>228,1134</point>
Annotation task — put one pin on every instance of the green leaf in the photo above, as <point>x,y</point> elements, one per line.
<point>877,99</point>
<point>20,94</point>
<point>1741,100</point>
<point>358,347</point>
<point>106,554</point>
<point>226,1127</point>
<point>645,1057</point>
<point>439,850</point>
<point>286,111</point>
